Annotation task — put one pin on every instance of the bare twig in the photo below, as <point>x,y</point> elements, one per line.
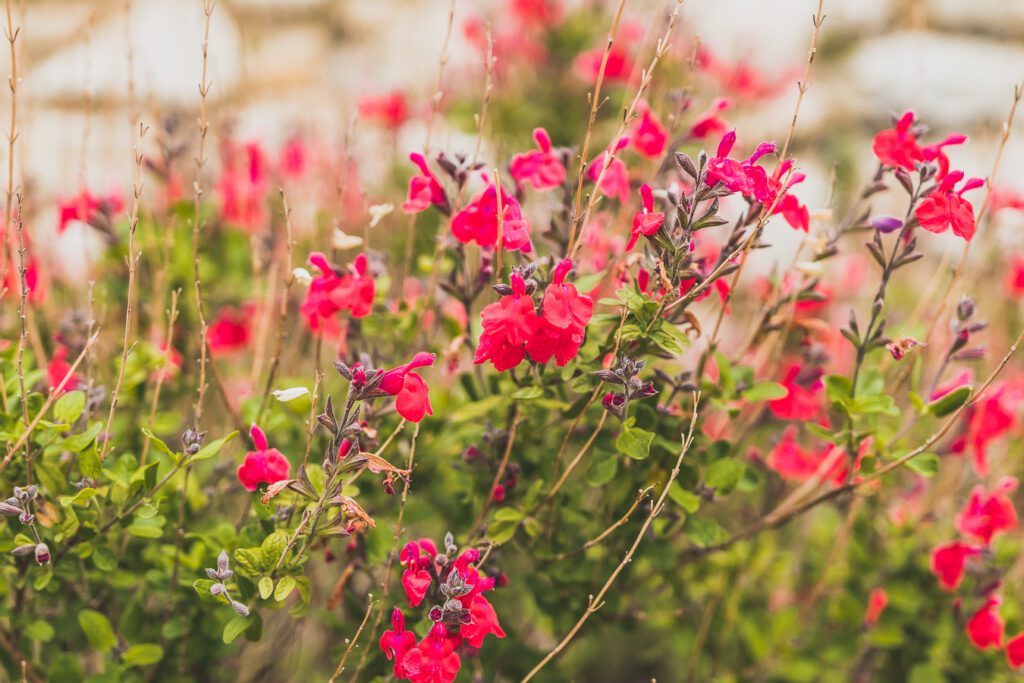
<point>439,89</point>
<point>607,532</point>
<point>498,475</point>
<point>355,638</point>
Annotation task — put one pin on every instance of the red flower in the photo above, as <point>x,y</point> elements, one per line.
<point>985,628</point>
<point>507,325</point>
<point>709,122</point>
<point>479,222</point>
<point>1015,651</point>
<point>264,465</point>
<point>86,207</point>
<point>988,513</point>
<point>647,135</point>
<point>647,221</point>
<point>987,420</point>
<point>412,400</point>
<point>418,559</point>
<point>243,186</point>
<point>391,110</point>
<point>897,147</point>
<point>424,189</point>
<point>1015,276</point>
<point>946,208</point>
<point>614,181</point>
<point>792,462</point>
<point>738,176</point>
<point>948,563</point>
<point>877,601</point>
<point>59,368</point>
<point>542,168</point>
<point>483,622</point>
<point>618,69</point>
<point>397,642</point>
<point>434,659</point>
<point>563,322</point>
<point>803,396</point>
<point>293,160</point>
<point>330,293</point>
<point>229,332</point>
<point>740,78</point>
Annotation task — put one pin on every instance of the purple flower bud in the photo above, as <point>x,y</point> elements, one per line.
<point>26,517</point>
<point>23,550</point>
<point>10,510</point>
<point>42,554</point>
<point>241,609</point>
<point>886,224</point>
<point>222,560</point>
<point>435,614</point>
<point>216,589</point>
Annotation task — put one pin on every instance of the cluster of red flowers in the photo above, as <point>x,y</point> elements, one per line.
<point>460,620</point>
<point>329,293</point>
<point>512,327</point>
<point>986,514</point>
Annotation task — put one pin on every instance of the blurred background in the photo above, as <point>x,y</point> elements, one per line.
<point>283,66</point>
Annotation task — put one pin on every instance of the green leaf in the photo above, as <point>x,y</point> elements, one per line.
<point>69,407</point>
<point>266,586</point>
<point>670,338</point>
<point>76,443</point>
<point>213,448</point>
<point>949,403</point>
<point>764,391</point>
<point>143,654</point>
<point>838,388</point>
<point>40,630</point>
<point>249,560</point>
<point>160,445</point>
<point>690,502</point>
<point>272,548</point>
<point>528,393</point>
<point>81,498</point>
<point>724,474</point>
<point>97,630</point>
<point>925,464</point>
<point>235,628</point>
<point>634,442</point>
<point>284,588</point>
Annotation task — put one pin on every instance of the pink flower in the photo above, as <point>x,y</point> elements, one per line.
<point>264,465</point>
<point>397,642</point>
<point>562,325</point>
<point>946,208</point>
<point>646,221</point>
<point>803,396</point>
<point>988,513</point>
<point>877,601</point>
<point>987,420</point>
<point>948,563</point>
<point>507,326</point>
<point>424,190</point>
<point>293,160</point>
<point>737,175</point>
<point>412,400</point>
<point>390,110</point>
<point>615,180</point>
<point>985,628</point>
<point>897,147</point>
<point>243,186</point>
<point>479,222</point>
<point>1015,276</point>
<point>740,78</point>
<point>647,135</point>
<point>542,168</point>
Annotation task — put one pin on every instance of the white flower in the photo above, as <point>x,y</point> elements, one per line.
<point>302,276</point>
<point>343,241</point>
<point>378,211</point>
<point>288,395</point>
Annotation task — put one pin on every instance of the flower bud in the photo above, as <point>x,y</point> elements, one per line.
<point>42,554</point>
<point>886,224</point>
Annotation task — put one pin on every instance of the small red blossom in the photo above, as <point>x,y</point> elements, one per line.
<point>389,110</point>
<point>618,69</point>
<point>1015,651</point>
<point>434,659</point>
<point>646,221</point>
<point>792,462</point>
<point>740,78</point>
<point>614,181</point>
<point>243,186</point>
<point>897,147</point>
<point>507,325</point>
<point>985,628</point>
<point>424,190</point>
<point>482,221</point>
<point>264,465</point>
<point>412,398</point>
<point>710,123</point>
<point>330,293</point>
<point>948,563</point>
<point>59,368</point>
<point>563,322</point>
<point>397,642</point>
<point>541,168</point>
<point>988,419</point>
<point>86,208</point>
<point>736,175</point>
<point>647,135</point>
<point>803,396</point>
<point>877,601</point>
<point>989,512</point>
<point>229,332</point>
<point>1015,276</point>
<point>945,207</point>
